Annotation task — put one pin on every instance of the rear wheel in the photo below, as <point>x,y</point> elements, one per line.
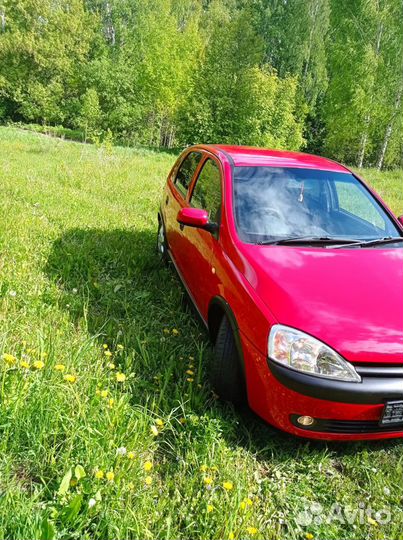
<point>226,372</point>
<point>162,243</point>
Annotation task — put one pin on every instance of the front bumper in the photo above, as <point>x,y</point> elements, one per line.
<point>342,411</point>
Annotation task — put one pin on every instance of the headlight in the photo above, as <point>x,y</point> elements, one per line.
<point>304,353</point>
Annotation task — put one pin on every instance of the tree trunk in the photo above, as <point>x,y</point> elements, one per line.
<point>389,129</point>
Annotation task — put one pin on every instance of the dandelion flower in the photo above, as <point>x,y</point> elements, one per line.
<point>108,353</point>
<point>60,367</point>
<point>148,480</point>
<point>309,536</point>
<point>248,501</point>
<point>210,508</point>
<point>111,365</point>
<point>166,331</point>
<point>251,530</point>
<point>9,358</point>
<point>121,451</point>
<point>175,332</point>
<point>242,505</point>
<point>70,378</point>
<point>154,430</point>
<point>208,480</point>
<point>105,346</point>
<point>190,372</point>
<point>190,379</point>
<point>231,536</point>
<point>131,455</point>
<point>203,468</point>
<point>99,474</point>
<point>110,476</point>
<point>91,503</point>
<point>104,393</point>
<point>120,377</point>
<point>111,403</point>
<point>148,466</point>
<point>24,364</point>
<point>38,364</point>
<point>228,486</point>
<point>159,422</point>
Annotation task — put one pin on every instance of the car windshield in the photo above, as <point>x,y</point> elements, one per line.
<point>274,204</point>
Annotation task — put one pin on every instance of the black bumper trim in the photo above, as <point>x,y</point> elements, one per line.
<point>371,390</point>
<point>347,427</point>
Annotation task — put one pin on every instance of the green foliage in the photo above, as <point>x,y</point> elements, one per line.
<point>320,75</point>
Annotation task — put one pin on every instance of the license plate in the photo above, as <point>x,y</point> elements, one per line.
<point>392,413</point>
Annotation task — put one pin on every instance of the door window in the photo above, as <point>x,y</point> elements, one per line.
<point>207,191</point>
<point>186,172</point>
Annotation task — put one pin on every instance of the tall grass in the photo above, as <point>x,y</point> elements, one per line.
<point>108,426</point>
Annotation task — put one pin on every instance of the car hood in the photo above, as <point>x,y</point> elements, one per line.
<point>351,299</point>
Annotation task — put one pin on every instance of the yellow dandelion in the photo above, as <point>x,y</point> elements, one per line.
<point>210,508</point>
<point>189,372</point>
<point>105,346</point>
<point>166,331</point>
<point>60,367</point>
<point>148,466</point>
<point>131,455</point>
<point>70,378</point>
<point>104,393</point>
<point>154,430</point>
<point>208,480</point>
<point>111,365</point>
<point>38,364</point>
<point>309,536</point>
<point>251,530</point>
<point>175,332</point>
<point>110,476</point>
<point>159,422</point>
<point>108,353</point>
<point>231,536</point>
<point>228,486</point>
<point>111,403</point>
<point>191,358</point>
<point>99,474</point>
<point>190,379</point>
<point>242,505</point>
<point>9,359</point>
<point>248,501</point>
<point>203,468</point>
<point>148,480</point>
<point>120,377</point>
<point>24,364</point>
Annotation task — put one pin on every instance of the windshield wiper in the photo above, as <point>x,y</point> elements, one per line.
<point>374,242</point>
<point>309,240</point>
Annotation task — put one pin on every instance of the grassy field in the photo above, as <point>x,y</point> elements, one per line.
<point>104,434</point>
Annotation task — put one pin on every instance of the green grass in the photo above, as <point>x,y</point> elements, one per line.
<point>79,270</point>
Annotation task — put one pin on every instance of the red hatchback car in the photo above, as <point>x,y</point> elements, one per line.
<point>296,268</point>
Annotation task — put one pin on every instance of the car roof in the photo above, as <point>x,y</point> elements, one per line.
<point>243,156</point>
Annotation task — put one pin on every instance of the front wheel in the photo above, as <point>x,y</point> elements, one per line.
<point>226,373</point>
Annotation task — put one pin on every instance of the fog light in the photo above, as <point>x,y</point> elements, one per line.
<point>305,420</point>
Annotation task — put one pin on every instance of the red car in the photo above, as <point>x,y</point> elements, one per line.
<point>296,268</point>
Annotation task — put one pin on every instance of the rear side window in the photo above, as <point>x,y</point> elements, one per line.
<point>186,171</point>
<point>207,191</point>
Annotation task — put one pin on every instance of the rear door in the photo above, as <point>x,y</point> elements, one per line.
<point>197,244</point>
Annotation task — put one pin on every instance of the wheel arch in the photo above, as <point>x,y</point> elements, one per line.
<point>218,309</point>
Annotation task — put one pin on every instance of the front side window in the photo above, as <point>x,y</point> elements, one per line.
<point>207,191</point>
<point>278,203</point>
<point>186,172</point>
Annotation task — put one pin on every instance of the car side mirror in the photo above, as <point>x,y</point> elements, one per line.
<point>400,218</point>
<point>195,217</point>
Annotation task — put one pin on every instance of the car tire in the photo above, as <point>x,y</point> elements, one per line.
<point>226,374</point>
<point>162,249</point>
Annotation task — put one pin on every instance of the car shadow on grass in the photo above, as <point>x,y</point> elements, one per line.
<point>112,282</point>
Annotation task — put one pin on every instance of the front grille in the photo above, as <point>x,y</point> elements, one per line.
<point>380,370</point>
<point>347,426</point>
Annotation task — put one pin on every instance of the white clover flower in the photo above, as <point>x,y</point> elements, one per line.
<point>122,451</point>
